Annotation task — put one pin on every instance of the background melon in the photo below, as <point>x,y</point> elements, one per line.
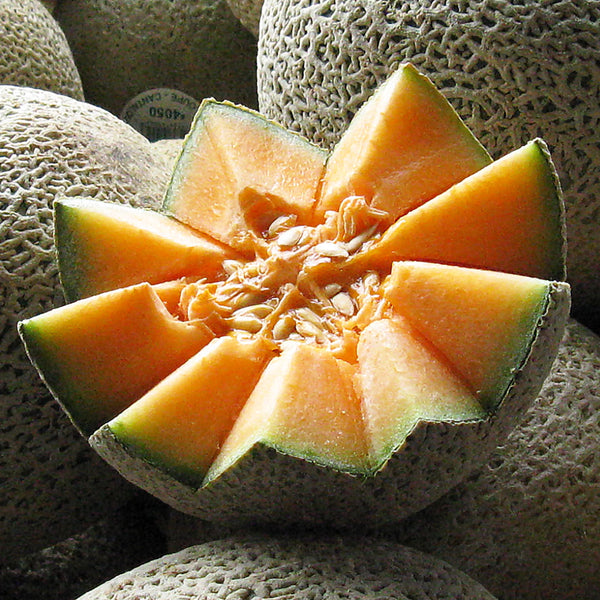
<point>527,525</point>
<point>53,485</point>
<point>299,567</point>
<point>512,71</point>
<point>124,48</point>
<point>248,12</point>
<point>34,51</point>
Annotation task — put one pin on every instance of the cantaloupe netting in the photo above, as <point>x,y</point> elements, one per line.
<point>514,70</point>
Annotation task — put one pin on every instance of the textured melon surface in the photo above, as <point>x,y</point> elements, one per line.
<point>123,48</point>
<point>102,247</point>
<point>300,567</point>
<point>232,151</point>
<point>52,145</point>
<point>488,337</point>
<point>526,525</point>
<point>34,51</point>
<point>513,73</point>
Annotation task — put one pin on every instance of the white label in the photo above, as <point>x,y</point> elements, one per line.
<point>161,113</point>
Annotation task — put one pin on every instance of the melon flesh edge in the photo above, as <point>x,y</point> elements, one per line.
<point>68,346</point>
<point>181,423</point>
<point>478,222</point>
<point>304,405</point>
<point>405,145</point>
<point>229,149</point>
<point>103,246</point>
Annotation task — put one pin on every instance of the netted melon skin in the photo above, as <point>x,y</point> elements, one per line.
<point>527,525</point>
<point>248,12</point>
<point>34,51</point>
<point>268,488</point>
<point>302,567</point>
<point>52,483</point>
<point>513,71</point>
<point>123,48</point>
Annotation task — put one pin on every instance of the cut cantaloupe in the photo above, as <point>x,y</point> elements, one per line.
<point>405,146</point>
<point>477,319</point>
<point>104,246</point>
<point>305,405</point>
<point>93,372</point>
<point>231,150</point>
<point>342,385</point>
<point>193,406</point>
<point>505,217</point>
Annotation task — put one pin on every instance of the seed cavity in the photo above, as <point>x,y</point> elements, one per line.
<point>331,250</point>
<point>291,237</point>
<point>343,303</point>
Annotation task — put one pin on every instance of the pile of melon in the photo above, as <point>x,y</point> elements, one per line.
<point>263,333</point>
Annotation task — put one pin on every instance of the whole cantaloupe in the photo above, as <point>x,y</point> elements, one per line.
<point>513,70</point>
<point>52,484</point>
<point>302,567</point>
<point>124,48</point>
<point>527,525</point>
<point>34,51</point>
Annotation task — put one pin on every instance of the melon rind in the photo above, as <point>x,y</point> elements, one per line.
<point>442,454</point>
<point>53,145</point>
<point>248,12</point>
<point>526,524</point>
<point>303,567</point>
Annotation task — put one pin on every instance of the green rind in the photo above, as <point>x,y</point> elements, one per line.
<point>301,492</point>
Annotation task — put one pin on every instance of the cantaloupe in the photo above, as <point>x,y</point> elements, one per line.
<point>34,51</point>
<point>283,412</point>
<point>53,485</point>
<point>123,49</point>
<point>526,525</point>
<point>248,12</point>
<point>299,567</point>
<point>513,73</point>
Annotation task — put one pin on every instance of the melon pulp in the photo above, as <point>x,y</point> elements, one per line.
<point>348,365</point>
<point>151,247</point>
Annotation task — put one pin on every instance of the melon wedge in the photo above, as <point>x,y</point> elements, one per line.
<point>405,146</point>
<point>183,421</point>
<point>505,217</point>
<point>94,373</point>
<point>377,384</point>
<point>104,246</point>
<point>234,159</point>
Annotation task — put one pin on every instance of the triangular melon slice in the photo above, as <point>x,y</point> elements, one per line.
<point>506,217</point>
<point>403,147</point>
<point>181,423</point>
<point>94,373</point>
<point>304,405</point>
<point>403,381</point>
<point>482,322</point>
<point>236,163</point>
<point>103,246</point>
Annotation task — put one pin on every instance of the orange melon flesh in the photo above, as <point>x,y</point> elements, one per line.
<point>403,147</point>
<point>229,150</point>
<point>101,354</point>
<point>404,381</point>
<point>304,405</point>
<point>182,422</point>
<point>481,322</point>
<point>506,217</point>
<point>104,246</point>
